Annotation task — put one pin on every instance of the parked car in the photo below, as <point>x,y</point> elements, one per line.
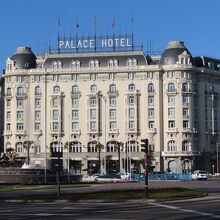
<point>113,178</point>
<point>89,179</point>
<point>199,175</point>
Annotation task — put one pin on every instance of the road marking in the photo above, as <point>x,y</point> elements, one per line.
<point>185,210</point>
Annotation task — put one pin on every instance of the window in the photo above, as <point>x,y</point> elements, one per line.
<point>75,147</point>
<point>91,146</point>
<point>185,99</point>
<point>55,102</point>
<point>75,65</point>
<point>8,126</point>
<point>150,112</point>
<point>75,102</point>
<point>20,103</point>
<point>93,125</point>
<point>112,88</point>
<point>185,112</point>
<point>131,75</point>
<point>134,61</point>
<point>93,113</point>
<point>37,103</point>
<point>75,77</point>
<point>131,87</point>
<point>171,99</point>
<point>93,76</point>
<point>56,78</point>
<point>111,147</point>
<point>8,115</point>
<point>75,114</point>
<point>55,126</point>
<point>112,101</point>
<point>129,62</point>
<point>93,88</point>
<point>37,78</point>
<point>20,126</point>
<point>37,90</point>
<point>185,87</point>
<point>93,100</point>
<point>19,147</point>
<point>150,87</point>
<point>171,146</point>
<point>54,66</point>
<point>111,76</point>
<point>131,112</point>
<point>131,125</point>
<point>185,124</point>
<point>171,111</point>
<point>20,91</point>
<point>20,79</point>
<point>20,115</point>
<point>185,145</point>
<point>171,87</point>
<point>37,126</point>
<point>55,114</point>
<point>171,124</point>
<point>8,92</point>
<point>112,125</point>
<point>91,64</point>
<point>75,126</point>
<point>150,100</point>
<point>8,103</point>
<point>110,63</point>
<point>112,113</point>
<point>132,146</point>
<point>131,100</point>
<point>56,89</point>
<point>151,124</point>
<point>75,89</point>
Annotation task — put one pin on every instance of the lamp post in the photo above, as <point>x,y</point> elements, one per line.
<point>105,101</point>
<point>27,145</point>
<point>217,170</point>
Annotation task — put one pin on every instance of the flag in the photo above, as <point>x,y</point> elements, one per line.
<point>113,23</point>
<point>77,24</point>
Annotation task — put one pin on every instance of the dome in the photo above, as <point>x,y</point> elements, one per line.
<point>174,49</point>
<point>24,58</point>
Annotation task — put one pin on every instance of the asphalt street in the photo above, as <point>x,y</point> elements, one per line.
<point>207,207</point>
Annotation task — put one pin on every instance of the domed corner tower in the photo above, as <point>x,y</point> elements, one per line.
<point>24,58</point>
<point>171,54</point>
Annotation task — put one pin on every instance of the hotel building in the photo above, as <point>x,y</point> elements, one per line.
<point>69,102</point>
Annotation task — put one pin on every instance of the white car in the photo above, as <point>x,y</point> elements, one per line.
<point>199,175</point>
<point>89,179</point>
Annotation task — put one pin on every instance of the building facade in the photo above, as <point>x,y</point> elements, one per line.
<point>71,102</point>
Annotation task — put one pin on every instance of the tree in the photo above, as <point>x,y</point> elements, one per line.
<point>98,148</point>
<point>27,145</point>
<point>119,147</point>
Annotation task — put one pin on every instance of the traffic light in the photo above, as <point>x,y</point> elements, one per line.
<point>144,146</point>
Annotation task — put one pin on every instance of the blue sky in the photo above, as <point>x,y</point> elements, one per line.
<point>29,22</point>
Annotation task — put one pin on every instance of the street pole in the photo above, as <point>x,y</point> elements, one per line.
<point>68,154</point>
<point>217,156</point>
<point>45,168</point>
<point>58,176</point>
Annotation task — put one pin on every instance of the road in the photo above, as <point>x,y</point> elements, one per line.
<point>199,208</point>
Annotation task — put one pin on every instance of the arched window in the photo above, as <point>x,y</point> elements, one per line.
<point>171,146</point>
<point>19,147</point>
<point>111,147</point>
<point>77,64</point>
<point>93,88</point>
<point>115,63</point>
<point>129,62</point>
<point>112,88</point>
<point>55,101</point>
<point>73,65</point>
<point>56,89</point>
<point>91,146</point>
<point>134,61</point>
<point>37,90</point>
<point>20,90</point>
<point>96,63</point>
<point>57,147</point>
<point>185,87</point>
<point>75,89</point>
<point>171,87</point>
<point>110,63</point>
<point>132,146</point>
<point>131,87</point>
<point>54,66</point>
<point>150,87</point>
<point>60,65</point>
<point>8,91</point>
<point>185,145</point>
<point>91,64</point>
<point>75,147</point>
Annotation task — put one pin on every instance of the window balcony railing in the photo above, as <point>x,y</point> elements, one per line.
<point>171,91</point>
<point>180,153</point>
<point>20,132</point>
<point>21,95</point>
<point>152,130</point>
<point>8,132</point>
<point>76,131</point>
<point>76,94</point>
<point>38,132</point>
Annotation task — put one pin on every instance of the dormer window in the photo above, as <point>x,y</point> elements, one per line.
<point>54,66</point>
<point>184,58</point>
<point>60,65</point>
<point>75,65</point>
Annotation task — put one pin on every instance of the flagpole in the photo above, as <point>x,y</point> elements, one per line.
<point>132,33</point>
<point>113,27</point>
<point>77,26</point>
<point>95,31</point>
<point>58,36</point>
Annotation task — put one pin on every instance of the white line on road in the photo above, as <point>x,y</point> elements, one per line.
<point>185,210</point>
